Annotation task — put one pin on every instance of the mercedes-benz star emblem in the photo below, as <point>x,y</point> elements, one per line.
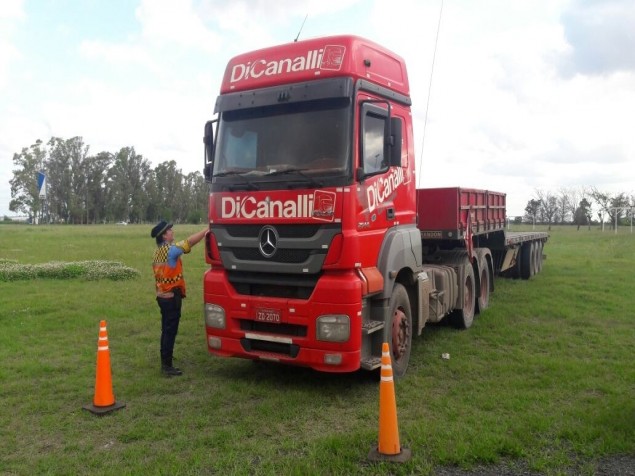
<point>268,241</point>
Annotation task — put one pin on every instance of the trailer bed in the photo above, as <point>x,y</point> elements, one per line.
<point>518,237</point>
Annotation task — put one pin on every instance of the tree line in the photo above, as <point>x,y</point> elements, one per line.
<point>581,207</point>
<point>103,188</point>
<point>123,187</point>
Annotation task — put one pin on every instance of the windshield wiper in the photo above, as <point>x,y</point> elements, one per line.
<point>311,181</point>
<point>247,185</point>
<point>227,173</point>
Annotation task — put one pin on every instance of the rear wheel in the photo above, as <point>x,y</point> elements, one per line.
<point>400,330</point>
<point>539,245</point>
<point>483,295</point>
<point>463,318</point>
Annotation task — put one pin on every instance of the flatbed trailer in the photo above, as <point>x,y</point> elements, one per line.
<point>455,217</point>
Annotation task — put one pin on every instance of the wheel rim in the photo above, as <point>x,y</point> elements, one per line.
<point>400,332</point>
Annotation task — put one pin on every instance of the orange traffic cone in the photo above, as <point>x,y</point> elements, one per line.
<point>104,399</point>
<point>389,448</point>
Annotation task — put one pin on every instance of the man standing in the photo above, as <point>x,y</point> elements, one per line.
<point>170,287</point>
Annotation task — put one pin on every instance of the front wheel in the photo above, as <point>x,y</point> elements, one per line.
<point>400,329</point>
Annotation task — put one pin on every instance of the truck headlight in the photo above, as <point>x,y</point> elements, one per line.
<point>333,328</point>
<point>214,316</point>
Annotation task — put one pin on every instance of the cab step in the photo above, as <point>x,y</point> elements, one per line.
<point>371,363</point>
<point>369,327</point>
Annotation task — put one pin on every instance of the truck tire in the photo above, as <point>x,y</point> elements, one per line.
<point>539,246</point>
<point>463,318</point>
<point>526,260</point>
<point>400,330</point>
<point>484,289</point>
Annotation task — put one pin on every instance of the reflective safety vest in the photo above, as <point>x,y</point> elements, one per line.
<point>166,277</point>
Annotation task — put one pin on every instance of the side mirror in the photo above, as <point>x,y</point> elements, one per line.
<point>208,140</point>
<point>394,141</point>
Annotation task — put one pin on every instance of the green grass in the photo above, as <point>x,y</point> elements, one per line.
<point>545,376</point>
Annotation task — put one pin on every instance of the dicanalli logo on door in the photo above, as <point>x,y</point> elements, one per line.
<point>319,205</point>
<point>380,190</point>
<point>329,58</point>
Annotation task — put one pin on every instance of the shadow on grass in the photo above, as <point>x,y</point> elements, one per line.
<point>278,374</point>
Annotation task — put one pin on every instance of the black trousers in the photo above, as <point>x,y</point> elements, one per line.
<point>170,318</point>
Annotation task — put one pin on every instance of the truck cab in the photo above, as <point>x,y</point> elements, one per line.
<point>312,207</point>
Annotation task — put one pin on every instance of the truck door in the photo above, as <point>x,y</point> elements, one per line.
<point>382,179</point>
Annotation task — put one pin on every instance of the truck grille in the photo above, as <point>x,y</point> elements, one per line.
<point>290,267</point>
<point>273,285</point>
<point>282,256</point>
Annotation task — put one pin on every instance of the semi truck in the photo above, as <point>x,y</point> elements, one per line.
<point>321,247</point>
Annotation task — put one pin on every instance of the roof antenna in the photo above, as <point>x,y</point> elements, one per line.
<point>302,26</point>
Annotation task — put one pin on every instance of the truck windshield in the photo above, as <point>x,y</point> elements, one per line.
<point>274,143</point>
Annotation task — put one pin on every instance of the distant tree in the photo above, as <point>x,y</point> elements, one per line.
<point>152,213</point>
<point>582,215</point>
<point>170,190</point>
<point>575,196</point>
<point>531,210</point>
<point>195,192</point>
<point>610,205</point>
<point>563,198</point>
<point>126,181</point>
<point>96,176</point>
<point>66,167</point>
<point>24,187</point>
<point>619,206</point>
<point>602,200</point>
<point>548,207</point>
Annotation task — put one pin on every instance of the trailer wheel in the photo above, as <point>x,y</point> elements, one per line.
<point>483,295</point>
<point>517,269</point>
<point>539,245</point>
<point>463,318</point>
<point>400,329</point>
<point>527,269</point>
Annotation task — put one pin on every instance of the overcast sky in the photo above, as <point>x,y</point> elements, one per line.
<point>525,95</point>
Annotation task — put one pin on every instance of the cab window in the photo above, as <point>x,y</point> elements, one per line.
<point>374,158</point>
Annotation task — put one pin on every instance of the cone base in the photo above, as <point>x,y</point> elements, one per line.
<point>103,410</point>
<point>400,457</point>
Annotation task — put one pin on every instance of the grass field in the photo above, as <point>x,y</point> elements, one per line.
<point>545,378</point>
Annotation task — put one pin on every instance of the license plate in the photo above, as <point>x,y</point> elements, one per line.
<point>268,315</point>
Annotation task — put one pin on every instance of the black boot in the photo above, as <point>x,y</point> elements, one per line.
<point>168,369</point>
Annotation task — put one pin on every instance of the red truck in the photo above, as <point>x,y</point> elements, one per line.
<point>321,247</point>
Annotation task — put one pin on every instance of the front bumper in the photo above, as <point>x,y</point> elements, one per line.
<point>294,340</point>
